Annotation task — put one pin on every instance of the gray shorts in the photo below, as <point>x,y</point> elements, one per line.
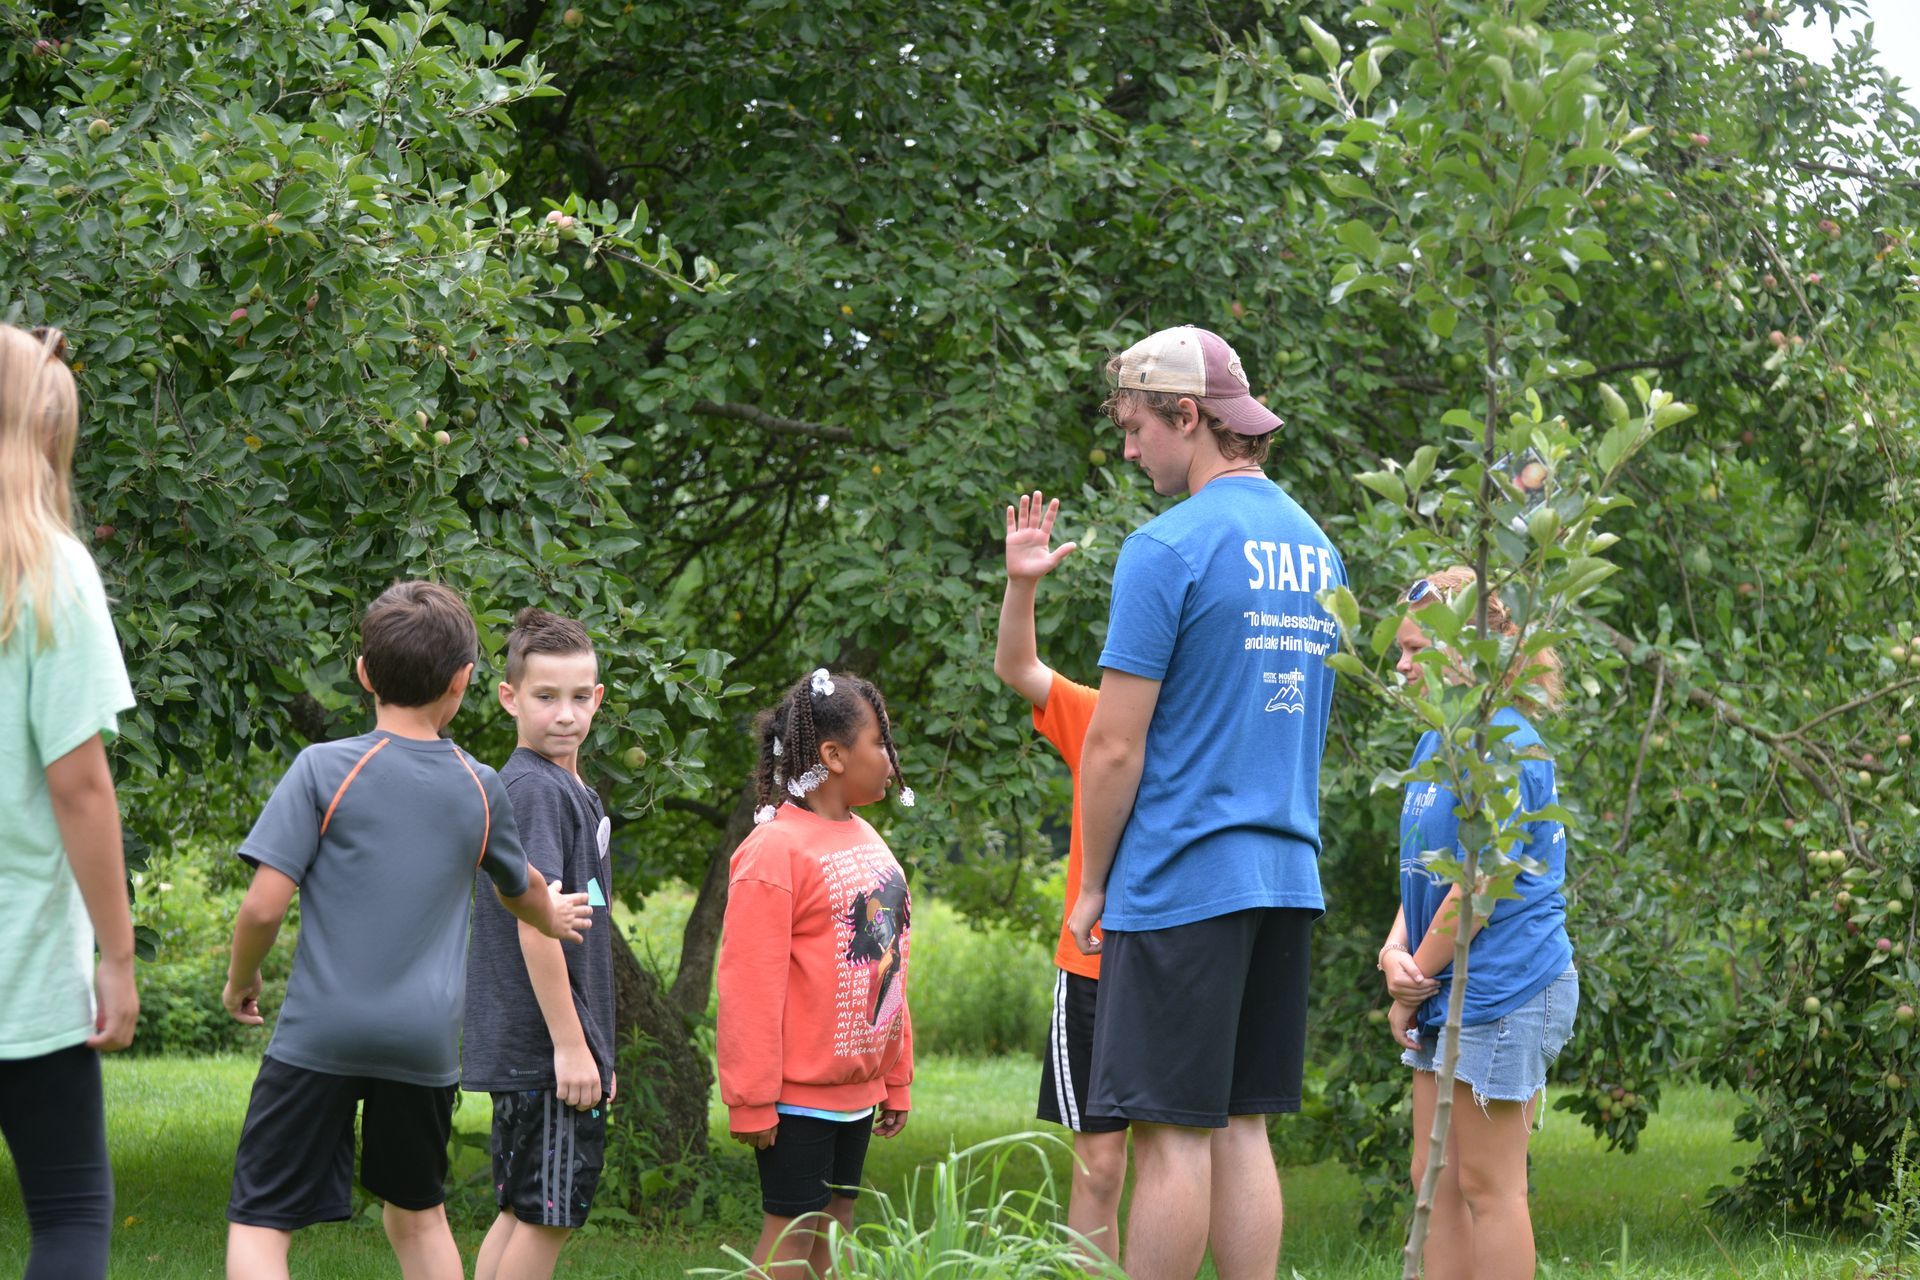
<point>1506,1060</point>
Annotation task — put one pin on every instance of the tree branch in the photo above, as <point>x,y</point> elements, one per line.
<point>1623,366</point>
<point>778,425</point>
<point>707,813</point>
<point>1849,171</point>
<point>1640,760</point>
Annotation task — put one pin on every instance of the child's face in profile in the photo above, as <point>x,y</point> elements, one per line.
<point>865,766</point>
<point>554,702</point>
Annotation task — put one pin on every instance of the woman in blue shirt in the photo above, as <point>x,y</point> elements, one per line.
<point>1522,991</point>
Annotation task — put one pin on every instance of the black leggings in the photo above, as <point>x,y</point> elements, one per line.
<point>54,1124</point>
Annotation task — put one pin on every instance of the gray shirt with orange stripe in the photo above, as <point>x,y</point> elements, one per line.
<point>382,834</point>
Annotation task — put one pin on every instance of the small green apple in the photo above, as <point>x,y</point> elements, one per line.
<point>1810,1005</point>
<point>635,757</point>
<point>1098,457</point>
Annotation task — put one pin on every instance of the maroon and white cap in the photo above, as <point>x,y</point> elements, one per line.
<point>1190,361</point>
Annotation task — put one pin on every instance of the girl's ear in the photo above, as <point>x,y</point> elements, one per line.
<point>833,757</point>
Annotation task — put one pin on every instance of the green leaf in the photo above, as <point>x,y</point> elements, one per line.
<point>1323,43</point>
<point>1386,484</point>
<point>1359,237</point>
<point>1346,664</point>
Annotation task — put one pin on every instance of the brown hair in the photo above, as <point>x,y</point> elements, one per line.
<point>1165,405</point>
<point>414,639</point>
<point>537,631</point>
<point>1543,665</point>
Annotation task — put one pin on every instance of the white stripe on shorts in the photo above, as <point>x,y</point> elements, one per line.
<point>1062,1065</point>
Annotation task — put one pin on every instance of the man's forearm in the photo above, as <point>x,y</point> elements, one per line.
<point>1109,783</point>
<point>547,971</point>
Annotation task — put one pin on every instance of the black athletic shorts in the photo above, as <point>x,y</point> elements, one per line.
<point>294,1166</point>
<point>1064,1075</point>
<point>811,1161</point>
<point>546,1157</point>
<point>1203,1021</point>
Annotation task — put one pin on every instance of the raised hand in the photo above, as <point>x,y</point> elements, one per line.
<point>1029,530</point>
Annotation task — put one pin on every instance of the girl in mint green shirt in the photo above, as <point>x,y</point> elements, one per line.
<point>62,874</point>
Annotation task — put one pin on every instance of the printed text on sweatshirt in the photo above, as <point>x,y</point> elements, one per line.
<point>813,971</point>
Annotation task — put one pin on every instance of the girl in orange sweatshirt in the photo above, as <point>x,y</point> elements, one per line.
<point>815,1044</point>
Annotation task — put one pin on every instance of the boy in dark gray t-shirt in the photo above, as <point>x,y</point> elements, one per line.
<point>379,835</point>
<point>539,1033</point>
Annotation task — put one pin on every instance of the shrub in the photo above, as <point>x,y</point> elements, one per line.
<point>976,989</point>
<point>1824,1041</point>
<point>192,929</point>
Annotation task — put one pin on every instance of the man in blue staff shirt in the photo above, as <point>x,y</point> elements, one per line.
<point>1201,812</point>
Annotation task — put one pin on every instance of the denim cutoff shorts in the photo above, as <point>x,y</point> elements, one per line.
<point>1506,1060</point>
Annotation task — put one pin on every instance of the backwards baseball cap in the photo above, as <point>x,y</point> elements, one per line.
<point>1190,361</point>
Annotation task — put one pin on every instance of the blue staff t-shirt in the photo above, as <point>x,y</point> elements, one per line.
<point>1215,600</point>
<point>1524,945</point>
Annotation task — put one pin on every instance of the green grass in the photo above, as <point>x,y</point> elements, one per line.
<point>173,1122</point>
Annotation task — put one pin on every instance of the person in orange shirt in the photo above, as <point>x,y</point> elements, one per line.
<point>1061,713</point>
<point>814,1040</point>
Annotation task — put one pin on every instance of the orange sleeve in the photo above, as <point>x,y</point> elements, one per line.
<point>1064,720</point>
<point>899,1097</point>
<point>756,944</point>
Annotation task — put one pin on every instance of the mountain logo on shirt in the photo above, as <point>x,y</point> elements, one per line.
<point>1288,696</point>
<point>881,918</point>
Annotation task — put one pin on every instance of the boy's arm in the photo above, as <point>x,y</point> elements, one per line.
<point>254,929</point>
<point>551,912</point>
<point>81,788</point>
<point>1016,655</point>
<point>575,1074</point>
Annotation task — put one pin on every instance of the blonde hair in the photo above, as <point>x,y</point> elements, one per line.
<point>1545,679</point>
<point>39,421</point>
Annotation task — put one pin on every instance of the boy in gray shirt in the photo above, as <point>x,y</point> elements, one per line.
<point>379,835</point>
<point>540,1013</point>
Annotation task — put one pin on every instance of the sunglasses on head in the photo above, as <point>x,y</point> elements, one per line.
<point>52,339</point>
<point>1422,590</point>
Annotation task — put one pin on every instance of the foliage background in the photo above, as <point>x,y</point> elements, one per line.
<point>840,279</point>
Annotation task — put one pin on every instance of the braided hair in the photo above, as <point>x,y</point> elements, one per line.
<point>818,708</point>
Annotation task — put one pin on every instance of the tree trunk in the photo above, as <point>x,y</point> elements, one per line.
<point>679,1076</point>
<point>700,941</point>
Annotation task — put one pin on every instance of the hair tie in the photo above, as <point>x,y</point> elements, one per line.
<point>763,815</point>
<point>822,683</point>
<point>776,746</point>
<point>906,796</point>
<point>807,782</point>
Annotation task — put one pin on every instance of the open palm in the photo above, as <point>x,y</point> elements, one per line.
<point>1029,531</point>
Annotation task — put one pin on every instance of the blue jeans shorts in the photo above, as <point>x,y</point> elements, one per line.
<point>1506,1060</point>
